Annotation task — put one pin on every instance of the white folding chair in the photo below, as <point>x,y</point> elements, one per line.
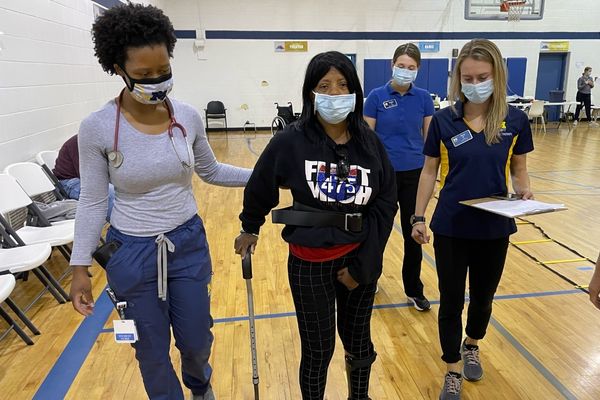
<point>22,259</point>
<point>59,235</point>
<point>536,111</point>
<point>13,198</point>
<point>35,182</point>
<point>47,159</point>
<point>32,178</point>
<point>7,284</point>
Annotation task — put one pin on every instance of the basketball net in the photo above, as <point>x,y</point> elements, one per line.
<point>514,8</point>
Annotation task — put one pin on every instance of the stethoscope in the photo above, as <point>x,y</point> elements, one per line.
<point>115,157</point>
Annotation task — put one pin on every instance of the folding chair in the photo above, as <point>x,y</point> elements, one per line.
<point>16,260</point>
<point>57,235</point>
<point>47,159</point>
<point>536,111</point>
<point>21,259</point>
<point>7,284</point>
<point>36,184</point>
<point>33,179</point>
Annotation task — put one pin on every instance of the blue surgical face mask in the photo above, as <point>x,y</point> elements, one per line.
<point>404,76</point>
<point>478,93</point>
<point>150,90</point>
<point>334,109</point>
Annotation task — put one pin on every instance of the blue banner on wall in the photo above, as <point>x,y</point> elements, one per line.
<point>429,47</point>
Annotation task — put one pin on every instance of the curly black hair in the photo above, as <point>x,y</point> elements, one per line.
<point>126,26</point>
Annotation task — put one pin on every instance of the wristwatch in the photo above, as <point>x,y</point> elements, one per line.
<point>417,219</point>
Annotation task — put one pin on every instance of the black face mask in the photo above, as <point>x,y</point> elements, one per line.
<point>144,81</point>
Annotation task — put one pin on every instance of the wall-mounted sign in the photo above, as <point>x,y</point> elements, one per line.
<point>557,46</point>
<point>291,46</point>
<point>429,47</point>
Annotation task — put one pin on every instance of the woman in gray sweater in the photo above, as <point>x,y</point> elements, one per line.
<point>148,147</point>
<point>585,83</point>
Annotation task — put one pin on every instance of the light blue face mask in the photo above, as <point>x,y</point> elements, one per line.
<point>334,109</point>
<point>478,92</point>
<point>404,76</point>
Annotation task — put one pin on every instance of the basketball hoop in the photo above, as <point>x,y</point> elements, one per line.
<point>514,8</point>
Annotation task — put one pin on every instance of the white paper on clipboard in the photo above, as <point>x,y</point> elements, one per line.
<point>513,208</point>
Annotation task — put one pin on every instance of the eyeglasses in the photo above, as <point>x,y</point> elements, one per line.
<point>343,165</point>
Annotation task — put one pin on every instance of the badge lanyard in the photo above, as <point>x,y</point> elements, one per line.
<point>124,329</point>
<point>115,157</point>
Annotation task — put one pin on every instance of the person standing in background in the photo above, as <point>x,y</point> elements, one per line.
<point>585,83</point>
<point>400,113</point>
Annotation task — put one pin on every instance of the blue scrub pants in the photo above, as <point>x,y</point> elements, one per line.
<point>132,275</point>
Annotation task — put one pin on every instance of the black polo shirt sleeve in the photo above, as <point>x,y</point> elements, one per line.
<point>432,144</point>
<point>524,143</point>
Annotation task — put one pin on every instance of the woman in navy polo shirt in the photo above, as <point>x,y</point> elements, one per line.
<point>477,142</point>
<point>400,113</point>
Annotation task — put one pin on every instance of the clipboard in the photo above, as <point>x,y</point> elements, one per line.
<point>511,208</point>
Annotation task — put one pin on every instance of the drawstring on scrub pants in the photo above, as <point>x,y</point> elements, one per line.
<point>164,244</point>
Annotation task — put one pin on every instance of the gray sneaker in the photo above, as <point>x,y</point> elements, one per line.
<point>472,370</point>
<point>452,387</point>
<point>209,395</point>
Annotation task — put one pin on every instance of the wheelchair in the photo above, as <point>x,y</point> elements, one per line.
<point>285,116</point>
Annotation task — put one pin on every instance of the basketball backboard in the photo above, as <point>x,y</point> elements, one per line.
<point>490,10</point>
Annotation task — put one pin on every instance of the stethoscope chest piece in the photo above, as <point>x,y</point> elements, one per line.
<point>115,158</point>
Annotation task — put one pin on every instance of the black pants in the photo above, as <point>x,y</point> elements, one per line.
<point>587,102</point>
<point>407,183</point>
<point>484,261</point>
<point>315,290</point>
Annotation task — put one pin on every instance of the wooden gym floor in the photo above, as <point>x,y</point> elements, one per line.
<point>543,341</point>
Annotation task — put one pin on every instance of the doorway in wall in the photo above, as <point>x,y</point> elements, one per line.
<point>551,79</point>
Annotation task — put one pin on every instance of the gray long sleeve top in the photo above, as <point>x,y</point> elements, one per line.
<point>583,86</point>
<point>153,191</point>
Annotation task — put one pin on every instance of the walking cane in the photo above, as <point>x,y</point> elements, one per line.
<point>247,274</point>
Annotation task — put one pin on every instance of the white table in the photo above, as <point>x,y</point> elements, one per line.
<point>562,105</point>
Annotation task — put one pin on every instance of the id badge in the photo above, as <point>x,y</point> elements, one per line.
<point>390,104</point>
<point>125,331</point>
<point>461,138</point>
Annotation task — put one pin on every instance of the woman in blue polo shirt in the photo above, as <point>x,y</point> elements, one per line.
<point>400,113</point>
<point>478,142</point>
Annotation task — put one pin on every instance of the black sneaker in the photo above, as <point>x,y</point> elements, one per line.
<point>420,303</point>
<point>472,370</point>
<point>452,386</point>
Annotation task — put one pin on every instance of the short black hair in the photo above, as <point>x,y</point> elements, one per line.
<point>130,25</point>
<point>317,68</point>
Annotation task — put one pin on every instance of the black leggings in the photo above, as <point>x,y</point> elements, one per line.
<point>316,290</point>
<point>586,98</point>
<point>484,262</point>
<point>407,183</point>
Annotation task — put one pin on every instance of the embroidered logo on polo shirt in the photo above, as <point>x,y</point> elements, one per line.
<point>503,130</point>
<point>390,104</point>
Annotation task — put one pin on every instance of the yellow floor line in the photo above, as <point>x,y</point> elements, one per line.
<point>532,241</point>
<point>562,261</point>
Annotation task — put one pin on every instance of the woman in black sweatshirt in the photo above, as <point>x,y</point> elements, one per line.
<point>341,178</point>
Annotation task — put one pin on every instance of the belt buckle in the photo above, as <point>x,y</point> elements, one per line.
<point>347,216</point>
